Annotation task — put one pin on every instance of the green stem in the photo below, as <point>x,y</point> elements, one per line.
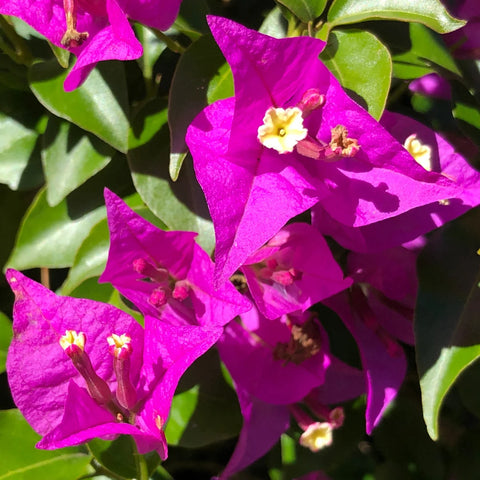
<point>169,42</point>
<point>141,464</point>
<point>22,52</point>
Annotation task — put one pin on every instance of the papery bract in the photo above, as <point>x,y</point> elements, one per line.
<point>362,175</point>
<point>105,24</point>
<point>294,270</point>
<point>418,221</point>
<point>50,392</point>
<point>145,262</point>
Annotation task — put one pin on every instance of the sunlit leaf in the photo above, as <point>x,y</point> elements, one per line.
<point>305,10</point>
<point>431,13</point>
<point>363,66</point>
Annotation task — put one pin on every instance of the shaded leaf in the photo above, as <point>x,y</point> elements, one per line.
<point>5,338</point>
<point>204,66</point>
<point>22,461</point>
<point>117,456</point>
<point>363,65</point>
<point>466,111</point>
<point>180,205</point>
<point>446,322</point>
<point>431,13</point>
<point>50,236</point>
<point>191,422</point>
<point>70,156</point>
<point>426,53</point>
<point>19,163</point>
<point>99,106</point>
<point>305,10</point>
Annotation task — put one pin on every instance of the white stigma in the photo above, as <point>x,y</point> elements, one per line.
<point>282,129</point>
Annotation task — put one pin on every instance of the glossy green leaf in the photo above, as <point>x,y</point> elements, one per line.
<point>70,156</point>
<point>5,338</point>
<point>446,320</point>
<point>203,391</point>
<point>22,461</point>
<point>305,10</point>
<point>62,55</point>
<point>202,65</point>
<point>19,163</point>
<point>118,456</point>
<point>180,205</point>
<point>427,51</point>
<point>363,66</point>
<point>431,13</point>
<point>50,236</point>
<point>99,106</point>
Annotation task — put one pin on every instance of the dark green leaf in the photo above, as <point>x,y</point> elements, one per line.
<point>431,13</point>
<point>446,322</point>
<point>50,236</point>
<point>99,106</point>
<point>191,422</point>
<point>180,205</point>
<point>5,337</point>
<point>22,461</point>
<point>118,456</point>
<point>202,65</point>
<point>363,65</point>
<point>466,111</point>
<point>427,51</point>
<point>70,156</point>
<point>305,10</point>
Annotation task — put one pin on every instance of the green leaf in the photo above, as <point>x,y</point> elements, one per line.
<point>180,205</point>
<point>70,156</point>
<point>19,160</point>
<point>446,320</point>
<point>427,51</point>
<point>191,423</point>
<point>22,461</point>
<point>62,55</point>
<point>305,10</point>
<point>429,12</point>
<point>50,236</point>
<point>117,456</point>
<point>363,65</point>
<point>466,111</point>
<point>202,65</point>
<point>93,253</point>
<point>274,24</point>
<point>99,106</point>
<point>5,338</point>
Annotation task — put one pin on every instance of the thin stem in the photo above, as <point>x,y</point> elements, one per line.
<point>45,277</point>
<point>141,463</point>
<point>169,42</point>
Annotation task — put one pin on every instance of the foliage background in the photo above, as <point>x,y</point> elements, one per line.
<point>124,129</point>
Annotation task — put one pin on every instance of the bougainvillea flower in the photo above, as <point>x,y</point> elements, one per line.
<point>255,183</point>
<point>434,154</point>
<point>383,359</point>
<point>165,272</point>
<point>93,30</point>
<point>80,369</point>
<point>431,85</point>
<point>294,270</point>
<point>276,361</point>
<point>274,365</point>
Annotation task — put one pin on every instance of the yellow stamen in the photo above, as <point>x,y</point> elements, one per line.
<point>317,436</point>
<point>420,152</point>
<point>282,129</point>
<point>71,337</point>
